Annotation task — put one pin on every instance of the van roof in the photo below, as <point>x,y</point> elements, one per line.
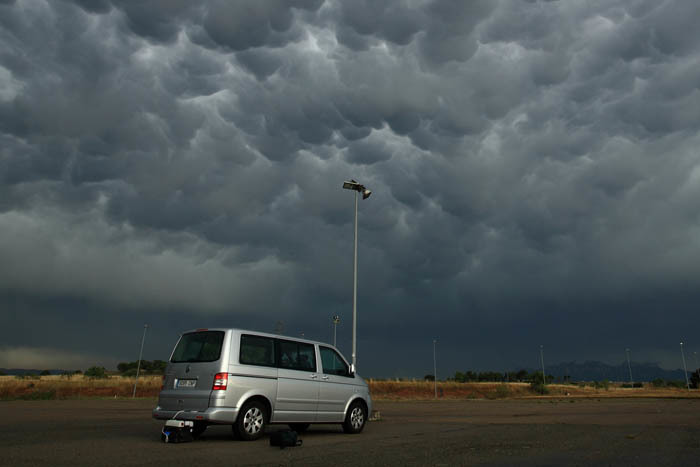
<point>258,333</point>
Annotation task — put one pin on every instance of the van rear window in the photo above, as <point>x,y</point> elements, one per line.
<point>204,346</point>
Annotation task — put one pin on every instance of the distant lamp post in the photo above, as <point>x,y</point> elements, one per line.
<point>629,365</point>
<point>685,368</point>
<point>435,368</point>
<point>336,320</point>
<point>357,188</point>
<point>544,379</point>
<point>138,365</point>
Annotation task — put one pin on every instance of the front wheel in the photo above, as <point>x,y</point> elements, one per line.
<point>355,418</point>
<point>251,421</point>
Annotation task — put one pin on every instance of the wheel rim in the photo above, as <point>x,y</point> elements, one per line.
<point>253,420</point>
<point>357,418</point>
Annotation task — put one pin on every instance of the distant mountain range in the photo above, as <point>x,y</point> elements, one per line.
<point>599,371</point>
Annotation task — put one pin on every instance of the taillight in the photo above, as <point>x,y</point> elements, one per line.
<point>162,383</point>
<point>220,382</point>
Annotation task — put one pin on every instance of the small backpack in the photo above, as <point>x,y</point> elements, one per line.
<point>285,438</point>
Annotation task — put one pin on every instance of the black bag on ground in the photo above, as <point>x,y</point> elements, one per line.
<point>284,438</point>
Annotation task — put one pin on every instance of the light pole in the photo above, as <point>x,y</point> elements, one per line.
<point>544,379</point>
<point>357,188</point>
<point>138,365</point>
<point>685,369</point>
<point>629,366</point>
<point>336,320</point>
<point>434,368</point>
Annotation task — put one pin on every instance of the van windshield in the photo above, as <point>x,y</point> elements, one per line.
<point>203,346</point>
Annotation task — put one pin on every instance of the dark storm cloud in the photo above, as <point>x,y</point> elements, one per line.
<point>533,167</point>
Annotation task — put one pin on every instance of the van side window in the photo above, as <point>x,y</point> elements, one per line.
<point>257,350</point>
<point>296,356</point>
<point>332,363</point>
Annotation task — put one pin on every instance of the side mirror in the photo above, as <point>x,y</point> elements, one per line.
<point>352,369</point>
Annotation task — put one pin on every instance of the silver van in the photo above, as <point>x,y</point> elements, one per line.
<point>248,379</point>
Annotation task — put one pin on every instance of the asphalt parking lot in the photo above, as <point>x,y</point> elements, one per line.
<point>474,432</point>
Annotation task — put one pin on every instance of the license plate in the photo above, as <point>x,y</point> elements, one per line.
<point>186,383</point>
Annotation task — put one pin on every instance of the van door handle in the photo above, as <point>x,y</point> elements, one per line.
<point>314,376</point>
<point>324,378</point>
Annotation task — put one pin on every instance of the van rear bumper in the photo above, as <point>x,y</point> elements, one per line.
<point>222,415</point>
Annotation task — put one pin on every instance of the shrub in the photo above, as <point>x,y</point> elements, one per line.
<point>39,395</point>
<point>538,387</point>
<point>95,372</point>
<point>658,383</point>
<point>502,391</point>
<point>676,384</point>
<point>605,384</point>
<point>45,373</point>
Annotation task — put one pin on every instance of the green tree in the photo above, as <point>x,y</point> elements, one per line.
<point>695,379</point>
<point>95,372</point>
<point>429,377</point>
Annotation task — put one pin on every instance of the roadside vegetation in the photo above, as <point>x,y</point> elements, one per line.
<point>75,386</point>
<point>98,382</point>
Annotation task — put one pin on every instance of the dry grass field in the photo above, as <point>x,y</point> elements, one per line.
<point>425,390</point>
<point>78,386</point>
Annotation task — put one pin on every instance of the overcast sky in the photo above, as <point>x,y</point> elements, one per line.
<point>534,168</point>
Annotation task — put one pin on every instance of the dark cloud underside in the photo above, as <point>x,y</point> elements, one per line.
<point>533,164</point>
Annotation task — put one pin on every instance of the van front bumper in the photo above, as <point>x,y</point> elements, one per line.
<point>222,415</point>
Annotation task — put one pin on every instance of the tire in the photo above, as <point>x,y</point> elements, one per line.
<point>198,429</point>
<point>356,418</point>
<point>299,427</point>
<point>251,421</point>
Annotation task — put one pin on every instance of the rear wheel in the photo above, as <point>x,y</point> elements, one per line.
<point>299,427</point>
<point>355,418</point>
<point>251,421</point>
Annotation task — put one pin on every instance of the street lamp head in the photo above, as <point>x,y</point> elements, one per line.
<point>354,185</point>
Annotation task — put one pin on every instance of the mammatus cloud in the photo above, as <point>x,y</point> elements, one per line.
<point>528,159</point>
